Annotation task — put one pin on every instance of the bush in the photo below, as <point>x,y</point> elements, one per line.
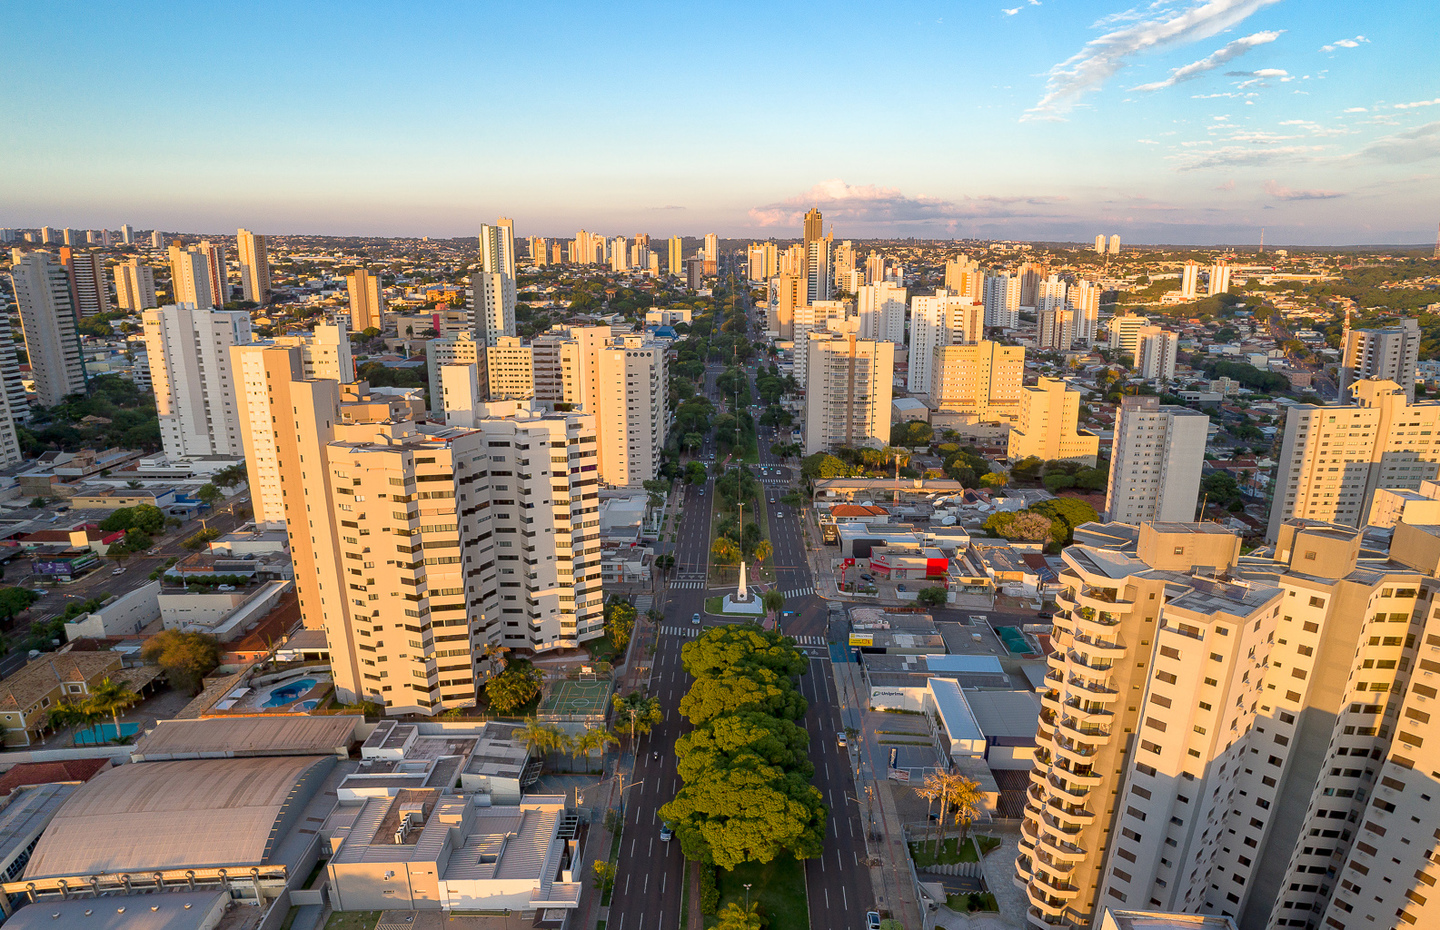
<point>709,891</point>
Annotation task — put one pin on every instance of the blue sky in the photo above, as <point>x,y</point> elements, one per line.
<point>1192,121</point>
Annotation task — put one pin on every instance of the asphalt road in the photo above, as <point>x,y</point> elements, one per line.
<point>650,872</point>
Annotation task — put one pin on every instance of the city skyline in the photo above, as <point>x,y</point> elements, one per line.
<point>1194,123</point>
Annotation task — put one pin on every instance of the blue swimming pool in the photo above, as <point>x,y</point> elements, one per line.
<point>307,705</point>
<point>287,693</point>
<point>106,732</point>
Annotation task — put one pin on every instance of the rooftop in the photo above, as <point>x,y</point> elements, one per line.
<point>248,736</point>
<point>179,910</point>
<point>41,676</point>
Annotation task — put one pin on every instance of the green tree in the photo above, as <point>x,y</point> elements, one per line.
<point>734,916</point>
<point>110,696</point>
<point>777,742</point>
<point>619,622</point>
<point>79,715</point>
<point>539,737</point>
<point>209,494</point>
<point>514,687</point>
<point>589,740</point>
<point>931,597</point>
<point>752,689</point>
<point>185,657</point>
<point>747,811</point>
<point>725,550</point>
<point>738,647</point>
<point>604,875</point>
<point>1027,469</point>
<point>773,601</point>
<point>636,713</point>
<point>1067,513</point>
<point>13,600</point>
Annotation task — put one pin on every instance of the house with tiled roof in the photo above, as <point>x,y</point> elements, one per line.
<point>27,696</point>
<point>44,773</point>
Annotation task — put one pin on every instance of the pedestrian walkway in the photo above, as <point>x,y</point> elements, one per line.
<point>799,592</point>
<point>810,640</point>
<point>689,583</point>
<point>685,632</point>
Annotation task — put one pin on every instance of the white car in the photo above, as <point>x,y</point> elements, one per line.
<point>226,587</point>
<point>118,571</point>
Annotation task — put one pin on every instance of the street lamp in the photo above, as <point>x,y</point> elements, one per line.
<point>747,896</point>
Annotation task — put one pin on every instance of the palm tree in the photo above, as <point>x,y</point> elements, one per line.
<point>538,736</point>
<point>763,551</point>
<point>965,801</point>
<point>591,739</point>
<point>74,715</point>
<point>956,794</point>
<point>111,697</point>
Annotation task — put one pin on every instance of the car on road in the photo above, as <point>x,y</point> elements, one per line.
<point>872,920</point>
<point>901,587</point>
<point>117,571</point>
<point>772,500</point>
<point>840,740</point>
<point>779,515</point>
<point>695,619</point>
<point>977,618</point>
<point>867,577</point>
<point>40,592</point>
<point>225,587</point>
<point>1046,615</point>
<point>666,834</point>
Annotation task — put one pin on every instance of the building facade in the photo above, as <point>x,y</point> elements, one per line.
<point>48,320</point>
<point>254,266</point>
<point>847,391</point>
<point>190,371</point>
<point>1155,462</point>
<point>1048,426</point>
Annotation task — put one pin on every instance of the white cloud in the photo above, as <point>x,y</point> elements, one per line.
<point>1418,103</point>
<point>870,205</point>
<point>1147,141</point>
<point>1227,186</point>
<point>1101,58</point>
<point>1281,192</point>
<point>1011,12</point>
<point>1212,61</point>
<point>1356,110</point>
<point>1344,43</point>
<point>1245,156</point>
<point>1402,148</point>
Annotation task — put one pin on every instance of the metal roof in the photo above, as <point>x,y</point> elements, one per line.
<point>968,665</point>
<point>191,813</point>
<point>181,910</point>
<point>955,713</point>
<point>252,736</point>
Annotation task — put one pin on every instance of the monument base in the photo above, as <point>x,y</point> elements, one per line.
<point>729,605</point>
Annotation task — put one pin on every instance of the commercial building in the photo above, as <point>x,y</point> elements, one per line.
<point>254,266</point>
<point>1333,459</point>
<point>87,281</point>
<point>263,373</point>
<point>134,285</point>
<point>1391,354</point>
<point>847,391</point>
<point>190,368</point>
<point>786,296</point>
<point>1155,462</point>
<point>48,319</point>
<point>367,300</point>
<point>1048,426</point>
<point>981,381</point>
<point>1155,353</point>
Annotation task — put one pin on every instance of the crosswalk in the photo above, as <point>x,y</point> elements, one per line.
<point>684,632</point>
<point>689,585</point>
<point>799,592</point>
<point>809,640</point>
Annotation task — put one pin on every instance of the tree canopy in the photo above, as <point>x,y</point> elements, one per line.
<point>738,647</point>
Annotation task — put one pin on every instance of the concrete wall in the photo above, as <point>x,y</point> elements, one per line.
<point>374,886</point>
<point>207,610</point>
<point>124,616</point>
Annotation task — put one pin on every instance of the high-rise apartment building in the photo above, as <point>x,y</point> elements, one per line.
<point>12,385</point>
<point>830,315</point>
<point>190,371</point>
<point>458,348</point>
<point>1115,244</point>
<point>1084,299</point>
<point>1109,614</point>
<point>1056,329</point>
<point>1100,244</point>
<point>847,391</point>
<point>48,319</point>
<point>1190,280</point>
<point>819,278</point>
<point>1002,301</point>
<point>676,256</point>
<point>157,239</point>
<point>1219,277</point>
<point>561,374</point>
<point>74,238</point>
<point>1155,353</point>
<point>190,277</point>
<point>882,311</point>
<point>787,293</point>
<point>134,285</point>
<point>943,319</point>
<point>620,254</point>
<point>1125,333</point>
<point>127,234</point>
<point>628,393</point>
<point>874,268</point>
<point>254,266</point>
<point>539,251</point>
<point>492,289</point>
<point>1334,458</point>
<point>218,270</point>
<point>958,273</point>
<point>510,367</point>
<point>1048,427</point>
<point>1155,462</point>
<point>712,250</point>
<point>87,281</point>
<point>367,300</point>
<point>764,260</point>
<point>1392,353</point>
<point>981,381</point>
<point>814,225</point>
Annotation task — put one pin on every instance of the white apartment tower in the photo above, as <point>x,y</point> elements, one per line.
<point>1049,426</point>
<point>190,371</point>
<point>941,320</point>
<point>1056,331</point>
<point>47,317</point>
<point>256,368</point>
<point>882,312</point>
<point>1100,244</point>
<point>134,286</point>
<point>1392,353</point>
<point>629,396</point>
<point>254,266</point>
<point>847,391</point>
<point>458,348</point>
<point>1190,281</point>
<point>1125,333</point>
<point>1219,277</point>
<point>982,381</point>
<point>1333,459</point>
<point>190,277</point>
<point>510,369</point>
<point>1155,462</point>
<point>1002,301</point>
<point>1115,244</point>
<point>1155,353</point>
<point>1084,299</point>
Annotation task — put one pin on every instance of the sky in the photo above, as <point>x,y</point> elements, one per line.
<point>1175,121</point>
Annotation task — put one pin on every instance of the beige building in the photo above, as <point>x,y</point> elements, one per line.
<point>1125,333</point>
<point>367,300</point>
<point>832,315</point>
<point>847,391</point>
<point>190,277</point>
<point>1334,458</point>
<point>1056,328</point>
<point>1108,616</point>
<point>29,694</point>
<point>1156,459</point>
<point>254,266</point>
<point>263,373</point>
<point>1156,350</point>
<point>628,393</point>
<point>134,285</point>
<point>87,280</point>
<point>787,292</point>
<point>1048,427</point>
<point>510,367</point>
<point>982,381</point>
<point>47,317</point>
<point>190,368</point>
<point>1391,353</point>
<point>459,348</point>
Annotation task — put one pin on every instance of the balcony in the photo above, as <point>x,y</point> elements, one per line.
<point>1094,663</point>
<point>1059,849</point>
<point>1065,792</point>
<point>1045,918</point>
<point>1048,871</point>
<point>1106,595</point>
<point>1099,647</point>
<point>1089,712</point>
<point>1093,690</point>
<point>1078,732</point>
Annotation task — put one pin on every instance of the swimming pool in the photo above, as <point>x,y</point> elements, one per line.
<point>89,736</point>
<point>286,693</point>
<point>307,705</point>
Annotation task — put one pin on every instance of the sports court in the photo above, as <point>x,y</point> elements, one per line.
<point>583,698</point>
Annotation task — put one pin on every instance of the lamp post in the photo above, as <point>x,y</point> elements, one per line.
<point>747,896</point>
